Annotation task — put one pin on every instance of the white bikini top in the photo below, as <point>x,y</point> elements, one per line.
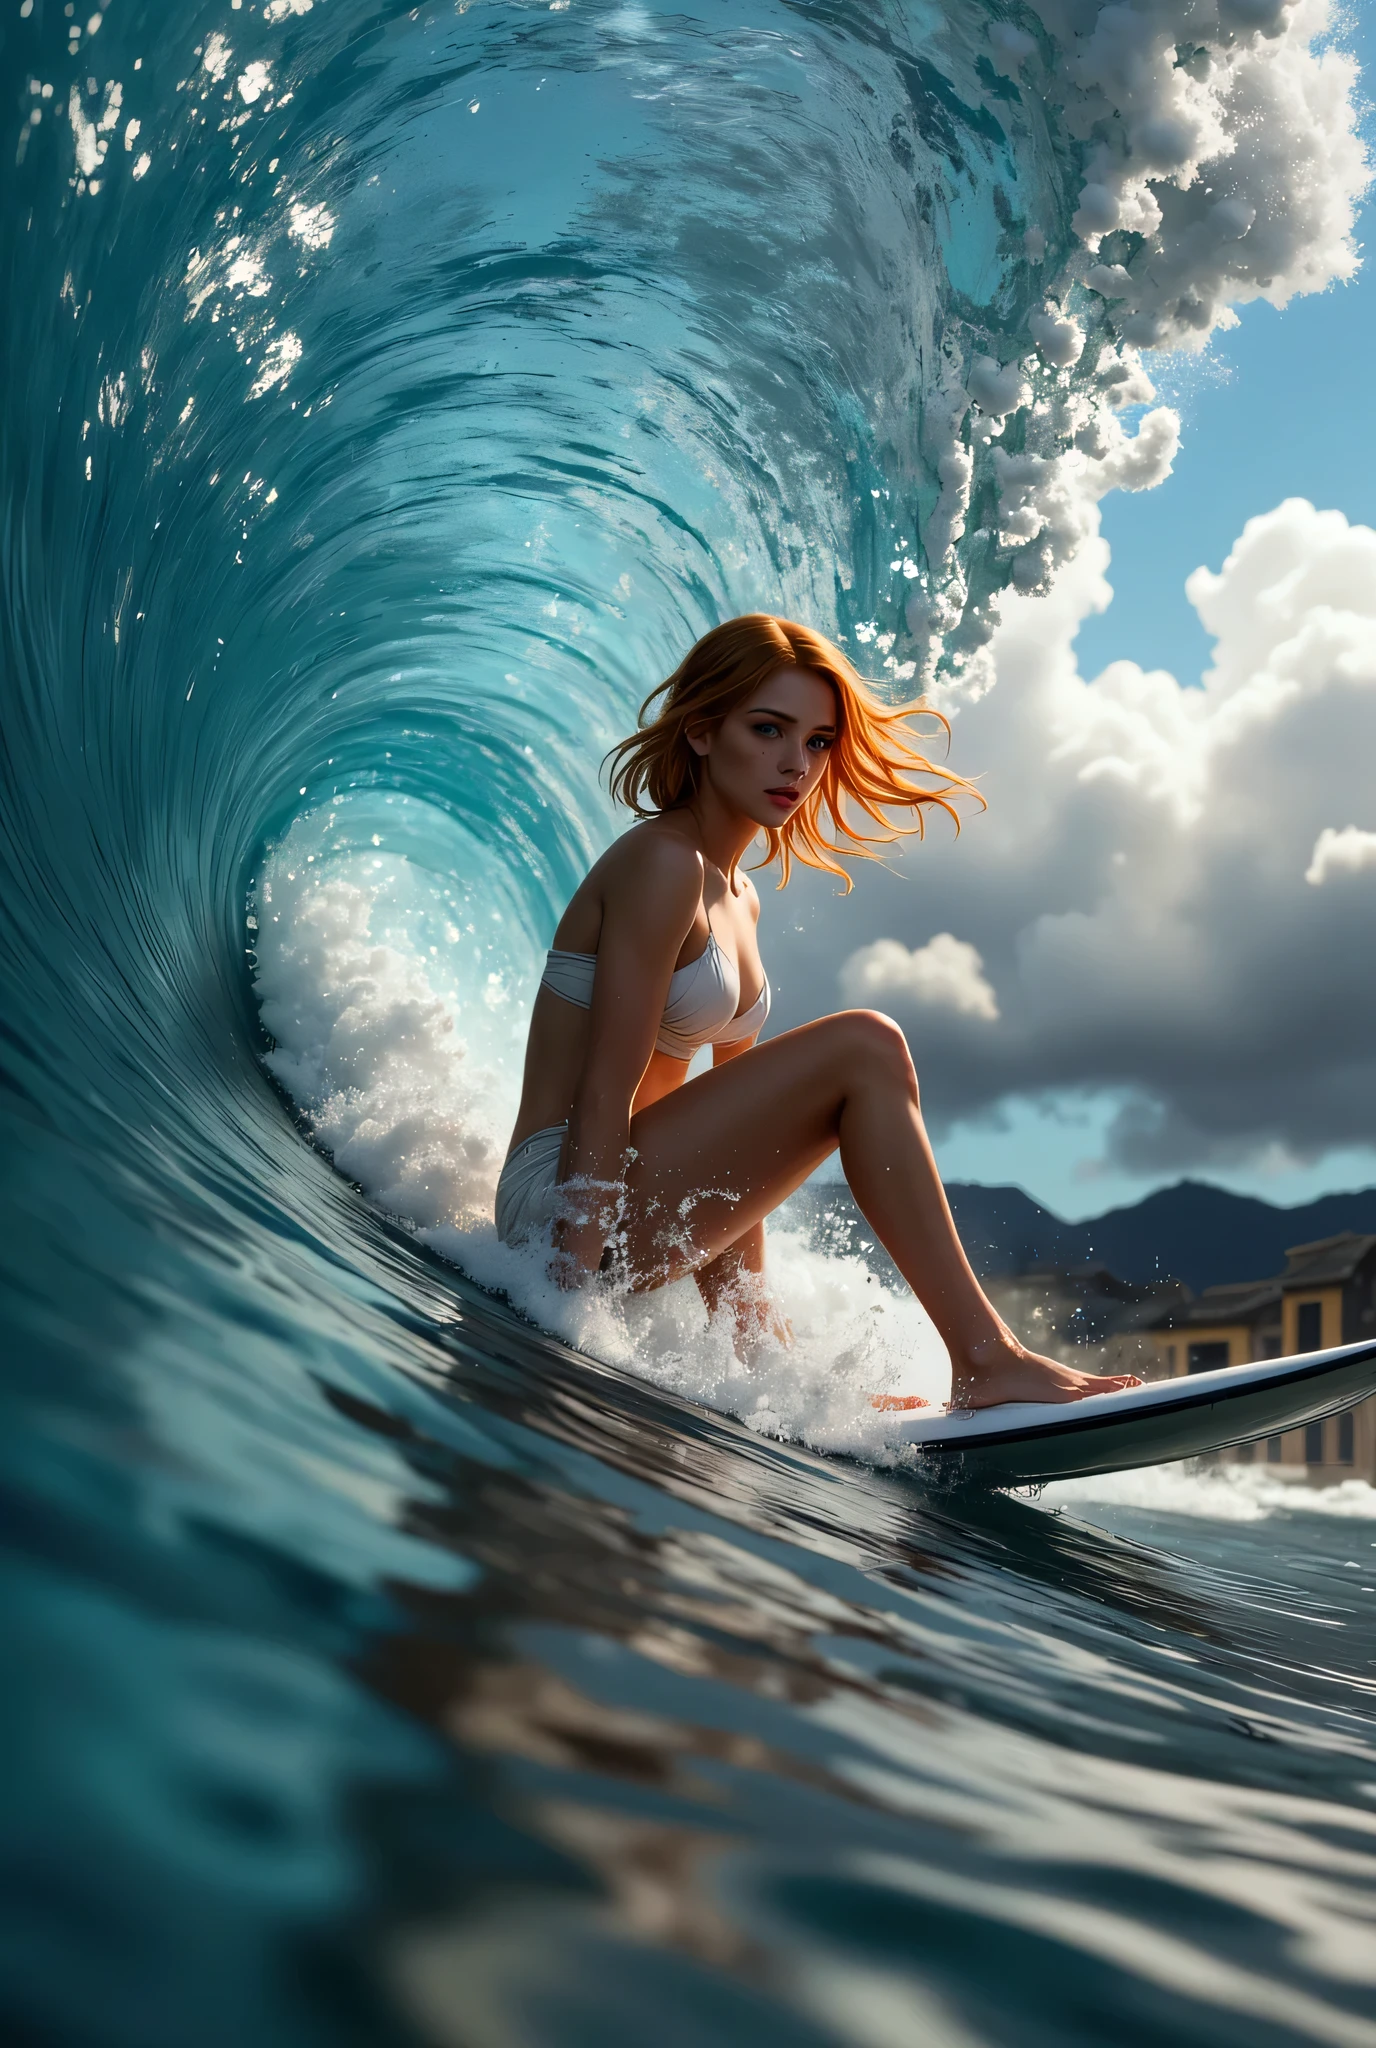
<point>700,1008</point>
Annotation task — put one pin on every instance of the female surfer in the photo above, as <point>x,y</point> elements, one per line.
<point>764,730</point>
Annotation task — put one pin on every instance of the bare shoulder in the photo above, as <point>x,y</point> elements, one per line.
<point>646,878</point>
<point>666,859</point>
<point>645,863</point>
<point>750,896</point>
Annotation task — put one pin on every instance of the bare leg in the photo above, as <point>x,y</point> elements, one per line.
<point>713,1158</point>
<point>734,1282</point>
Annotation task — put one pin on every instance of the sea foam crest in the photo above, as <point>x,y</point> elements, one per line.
<point>1216,160</point>
<point>1220,162</point>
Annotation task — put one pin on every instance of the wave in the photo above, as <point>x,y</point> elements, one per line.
<point>950,362</point>
<point>1221,1493</point>
<point>390,395</point>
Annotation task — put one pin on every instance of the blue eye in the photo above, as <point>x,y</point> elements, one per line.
<point>821,740</point>
<point>767,730</point>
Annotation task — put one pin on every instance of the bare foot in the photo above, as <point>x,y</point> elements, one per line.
<point>1006,1371</point>
<point>898,1401</point>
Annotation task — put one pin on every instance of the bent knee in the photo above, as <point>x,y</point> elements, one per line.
<point>876,1039</point>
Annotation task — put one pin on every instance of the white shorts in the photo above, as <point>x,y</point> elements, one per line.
<point>528,1191</point>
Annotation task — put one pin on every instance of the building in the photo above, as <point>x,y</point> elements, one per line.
<point>1325,1296</point>
<point>1086,1316</point>
<point>1229,1325</point>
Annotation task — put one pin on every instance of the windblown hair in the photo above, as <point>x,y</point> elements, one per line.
<point>869,766</point>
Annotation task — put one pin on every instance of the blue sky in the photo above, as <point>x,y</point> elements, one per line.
<point>1283,406</point>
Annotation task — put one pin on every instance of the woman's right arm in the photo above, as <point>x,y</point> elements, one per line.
<point>648,911</point>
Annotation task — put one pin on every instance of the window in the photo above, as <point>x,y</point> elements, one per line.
<point>1309,1335</point>
<point>1208,1357</point>
<point>1245,1453</point>
<point>1170,1360</point>
<point>1274,1446</point>
<point>1345,1434</point>
<point>1313,1443</point>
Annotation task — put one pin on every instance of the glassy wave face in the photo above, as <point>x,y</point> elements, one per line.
<point>390,396</point>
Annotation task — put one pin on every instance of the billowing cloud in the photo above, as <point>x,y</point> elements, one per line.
<point>945,974</point>
<point>1349,852</point>
<point>1139,898</point>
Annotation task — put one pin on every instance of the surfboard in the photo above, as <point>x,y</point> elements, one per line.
<point>1028,1443</point>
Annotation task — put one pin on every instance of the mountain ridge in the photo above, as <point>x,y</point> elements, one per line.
<point>1192,1231</point>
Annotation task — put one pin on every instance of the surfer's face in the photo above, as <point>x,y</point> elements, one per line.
<point>766,755</point>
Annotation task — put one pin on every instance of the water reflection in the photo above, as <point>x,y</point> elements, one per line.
<point>784,1768</point>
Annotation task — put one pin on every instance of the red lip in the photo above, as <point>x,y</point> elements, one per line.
<point>788,797</point>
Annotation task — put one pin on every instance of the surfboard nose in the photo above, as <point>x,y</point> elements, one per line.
<point>1030,1444</point>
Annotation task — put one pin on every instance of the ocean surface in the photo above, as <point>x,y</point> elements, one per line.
<point>390,394</point>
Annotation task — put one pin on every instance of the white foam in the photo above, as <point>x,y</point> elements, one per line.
<point>1229,141</point>
<point>851,1338</point>
<point>389,1044</point>
<point>367,1038</point>
<point>1226,143</point>
<point>1216,1493</point>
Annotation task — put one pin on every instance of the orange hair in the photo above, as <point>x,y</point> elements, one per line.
<point>868,765</point>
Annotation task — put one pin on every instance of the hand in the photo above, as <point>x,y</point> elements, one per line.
<point>584,1230</point>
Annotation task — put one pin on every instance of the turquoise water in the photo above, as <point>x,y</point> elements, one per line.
<point>381,1669</point>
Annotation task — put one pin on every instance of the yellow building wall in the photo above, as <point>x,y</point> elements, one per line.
<point>1236,1336</point>
<point>1331,1299</point>
<point>1292,1443</point>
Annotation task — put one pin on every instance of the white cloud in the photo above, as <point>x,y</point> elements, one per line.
<point>1349,852</point>
<point>1137,891</point>
<point>946,974</point>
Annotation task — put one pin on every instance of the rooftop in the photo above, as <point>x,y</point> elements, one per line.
<point>1245,1301</point>
<point>1326,1262</point>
